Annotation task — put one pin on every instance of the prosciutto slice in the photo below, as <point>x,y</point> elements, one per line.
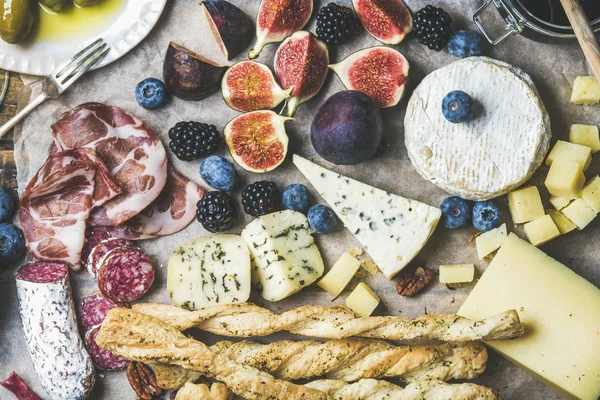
<point>133,154</point>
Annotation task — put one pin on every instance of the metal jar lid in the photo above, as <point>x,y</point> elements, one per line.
<point>518,19</point>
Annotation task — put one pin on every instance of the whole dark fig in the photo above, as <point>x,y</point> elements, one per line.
<point>347,129</point>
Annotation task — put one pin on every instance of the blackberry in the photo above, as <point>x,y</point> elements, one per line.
<point>260,198</point>
<point>192,140</point>
<point>216,211</point>
<point>432,26</point>
<point>336,24</point>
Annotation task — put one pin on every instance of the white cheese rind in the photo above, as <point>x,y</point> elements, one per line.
<point>284,255</point>
<point>210,271</point>
<point>391,228</point>
<point>490,155</point>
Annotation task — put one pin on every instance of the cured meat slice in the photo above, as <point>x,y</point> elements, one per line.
<point>102,249</point>
<point>54,210</point>
<point>63,366</point>
<point>125,275</point>
<point>133,154</point>
<point>92,238</point>
<point>93,310</point>
<point>103,359</point>
<point>19,388</point>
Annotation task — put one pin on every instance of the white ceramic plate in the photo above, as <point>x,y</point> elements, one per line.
<point>123,32</point>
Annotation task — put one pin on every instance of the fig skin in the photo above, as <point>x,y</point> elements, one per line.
<point>388,21</point>
<point>347,129</point>
<point>231,27</point>
<point>190,76</point>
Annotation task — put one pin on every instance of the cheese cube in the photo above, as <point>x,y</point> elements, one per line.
<point>340,274</point>
<point>559,202</point>
<point>565,179</point>
<point>562,223</point>
<point>585,135</point>
<point>362,300</point>
<point>580,213</point>
<point>559,310</point>
<point>490,241</point>
<point>591,193</point>
<point>586,90</point>
<point>565,151</point>
<point>457,273</point>
<point>541,231</point>
<point>525,204</point>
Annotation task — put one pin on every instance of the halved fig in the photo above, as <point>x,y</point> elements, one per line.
<point>257,140</point>
<point>388,21</point>
<point>301,63</point>
<point>190,76</point>
<point>231,27</point>
<point>278,19</point>
<point>250,86</point>
<point>379,72</point>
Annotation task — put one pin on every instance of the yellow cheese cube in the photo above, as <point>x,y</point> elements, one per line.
<point>541,231</point>
<point>591,193</point>
<point>562,223</point>
<point>565,151</point>
<point>457,273</point>
<point>525,204</point>
<point>580,213</point>
<point>362,300</point>
<point>490,241</point>
<point>586,90</point>
<point>340,274</point>
<point>565,179</point>
<point>559,202</point>
<point>559,310</point>
<point>585,135</point>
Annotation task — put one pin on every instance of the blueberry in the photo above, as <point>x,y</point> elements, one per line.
<point>322,219</point>
<point>151,94</point>
<point>218,173</point>
<point>7,205</point>
<point>456,213</point>
<point>457,106</point>
<point>296,197</point>
<point>486,216</point>
<point>465,43</point>
<point>12,244</point>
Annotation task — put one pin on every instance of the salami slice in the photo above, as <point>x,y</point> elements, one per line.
<point>101,249</point>
<point>103,359</point>
<point>92,238</point>
<point>93,310</point>
<point>19,388</point>
<point>64,368</point>
<point>125,274</point>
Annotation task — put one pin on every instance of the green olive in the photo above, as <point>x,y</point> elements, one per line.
<point>55,5</point>
<point>17,19</point>
<point>86,3</point>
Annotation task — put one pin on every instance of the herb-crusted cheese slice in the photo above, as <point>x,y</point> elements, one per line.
<point>284,255</point>
<point>210,271</point>
<point>391,228</point>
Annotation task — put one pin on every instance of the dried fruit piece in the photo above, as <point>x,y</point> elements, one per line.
<point>257,140</point>
<point>278,19</point>
<point>250,86</point>
<point>409,283</point>
<point>231,27</point>
<point>190,76</point>
<point>388,21</point>
<point>301,62</point>
<point>143,381</point>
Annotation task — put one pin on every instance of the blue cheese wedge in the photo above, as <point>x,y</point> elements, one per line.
<point>284,255</point>
<point>210,271</point>
<point>391,228</point>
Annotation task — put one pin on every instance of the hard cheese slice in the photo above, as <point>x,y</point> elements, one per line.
<point>560,311</point>
<point>392,229</point>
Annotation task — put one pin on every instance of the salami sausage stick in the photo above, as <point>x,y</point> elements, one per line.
<point>19,388</point>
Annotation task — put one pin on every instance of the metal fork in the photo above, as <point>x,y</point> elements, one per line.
<point>61,78</point>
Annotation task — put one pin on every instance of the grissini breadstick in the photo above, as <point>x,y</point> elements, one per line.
<point>247,320</point>
<point>191,391</point>
<point>146,339</point>
<point>345,359</point>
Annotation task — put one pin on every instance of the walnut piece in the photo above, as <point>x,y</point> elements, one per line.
<point>411,282</point>
<point>143,381</point>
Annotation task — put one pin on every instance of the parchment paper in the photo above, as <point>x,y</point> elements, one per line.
<point>553,66</point>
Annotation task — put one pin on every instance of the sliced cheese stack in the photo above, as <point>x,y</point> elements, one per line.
<point>560,311</point>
